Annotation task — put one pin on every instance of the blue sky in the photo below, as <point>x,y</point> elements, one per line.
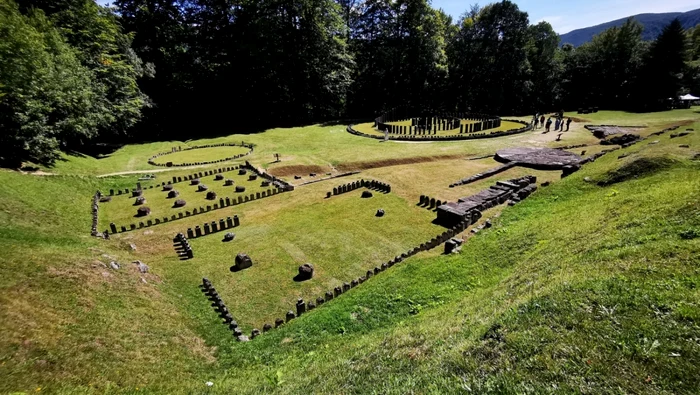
<point>567,15</point>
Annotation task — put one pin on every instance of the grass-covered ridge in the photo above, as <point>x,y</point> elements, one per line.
<point>580,288</point>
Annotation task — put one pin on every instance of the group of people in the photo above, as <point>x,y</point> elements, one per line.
<point>539,121</point>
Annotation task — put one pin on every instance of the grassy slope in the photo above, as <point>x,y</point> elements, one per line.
<point>579,288</point>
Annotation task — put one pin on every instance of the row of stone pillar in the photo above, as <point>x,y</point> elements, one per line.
<point>170,164</point>
<point>429,203</point>
<point>371,184</point>
<point>175,180</point>
<point>206,229</point>
<point>182,247</point>
<point>221,309</point>
<point>223,202</point>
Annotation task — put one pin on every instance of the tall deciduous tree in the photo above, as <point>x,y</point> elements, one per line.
<point>47,97</point>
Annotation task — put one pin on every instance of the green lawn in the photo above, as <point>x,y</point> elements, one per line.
<point>208,154</point>
<point>581,288</point>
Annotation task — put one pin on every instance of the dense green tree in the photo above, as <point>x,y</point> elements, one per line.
<point>545,67</point>
<point>102,47</point>
<point>47,96</point>
<point>664,66</point>
<point>492,45</point>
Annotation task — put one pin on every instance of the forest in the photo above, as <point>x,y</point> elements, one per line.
<point>74,73</point>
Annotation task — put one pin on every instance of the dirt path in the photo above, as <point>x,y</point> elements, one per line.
<point>123,173</point>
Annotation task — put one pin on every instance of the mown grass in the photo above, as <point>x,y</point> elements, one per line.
<point>208,154</point>
<point>580,288</point>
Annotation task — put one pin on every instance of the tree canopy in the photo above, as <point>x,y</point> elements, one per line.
<point>73,72</point>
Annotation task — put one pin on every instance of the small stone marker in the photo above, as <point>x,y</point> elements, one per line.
<point>139,201</point>
<point>229,237</point>
<point>243,261</point>
<point>366,194</point>
<point>179,203</point>
<point>202,188</point>
<point>173,194</point>
<point>240,188</point>
<point>228,183</point>
<point>380,213</point>
<point>143,211</point>
<point>211,195</point>
<point>306,272</point>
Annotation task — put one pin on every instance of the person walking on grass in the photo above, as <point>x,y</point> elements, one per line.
<point>557,124</point>
<point>535,120</point>
<point>542,121</point>
<point>568,124</point>
<point>549,124</point>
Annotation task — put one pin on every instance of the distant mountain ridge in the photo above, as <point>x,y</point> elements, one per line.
<point>653,25</point>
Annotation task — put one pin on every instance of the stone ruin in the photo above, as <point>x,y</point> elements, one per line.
<point>380,213</point>
<point>143,211</point>
<point>229,237</point>
<point>306,272</point>
<point>366,194</point>
<point>139,201</point>
<point>470,207</point>
<point>179,203</point>
<point>202,188</point>
<point>173,194</point>
<point>240,188</point>
<point>228,183</point>
<point>167,187</point>
<point>218,177</point>
<point>211,195</point>
<point>195,181</point>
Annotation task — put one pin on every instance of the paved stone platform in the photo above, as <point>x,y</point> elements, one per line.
<point>538,158</point>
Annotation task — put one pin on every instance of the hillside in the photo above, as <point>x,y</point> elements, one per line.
<point>590,285</point>
<point>653,25</point>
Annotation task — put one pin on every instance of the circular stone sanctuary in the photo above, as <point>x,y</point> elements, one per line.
<point>538,158</point>
<point>201,154</point>
<point>405,125</point>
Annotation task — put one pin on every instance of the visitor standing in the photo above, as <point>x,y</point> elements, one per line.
<point>549,124</point>
<point>557,124</point>
<point>542,121</point>
<point>568,123</point>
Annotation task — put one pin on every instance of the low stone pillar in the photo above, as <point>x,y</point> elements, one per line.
<point>301,307</point>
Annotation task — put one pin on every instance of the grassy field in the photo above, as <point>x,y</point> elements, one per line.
<point>588,286</point>
<point>208,154</point>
